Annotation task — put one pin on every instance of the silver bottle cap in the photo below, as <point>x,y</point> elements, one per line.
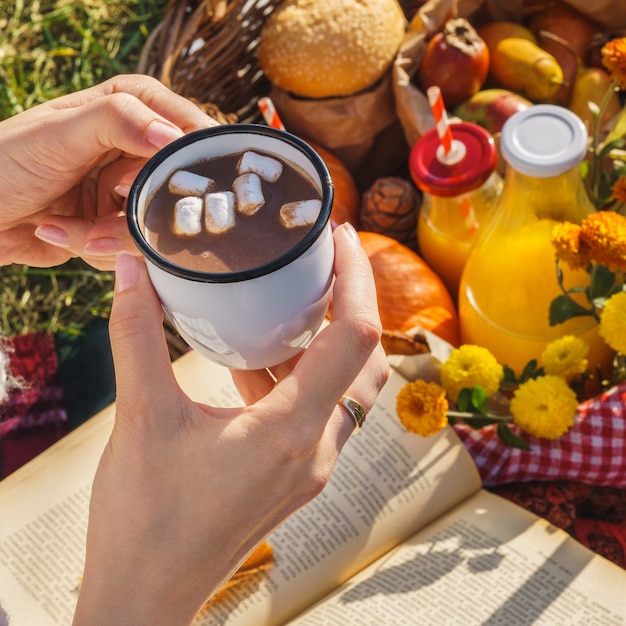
<point>543,141</point>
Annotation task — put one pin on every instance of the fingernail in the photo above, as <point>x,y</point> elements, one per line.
<point>122,190</point>
<point>126,271</point>
<point>351,231</point>
<point>160,134</point>
<point>104,246</point>
<point>53,235</point>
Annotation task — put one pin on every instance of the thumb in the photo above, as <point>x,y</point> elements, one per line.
<point>140,355</point>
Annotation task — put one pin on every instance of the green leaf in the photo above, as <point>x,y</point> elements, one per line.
<point>508,437</point>
<point>509,375</point>
<point>563,308</point>
<point>530,370</point>
<point>619,128</point>
<point>478,422</point>
<point>464,401</point>
<point>584,169</point>
<point>602,283</point>
<point>480,400</point>
<point>615,144</point>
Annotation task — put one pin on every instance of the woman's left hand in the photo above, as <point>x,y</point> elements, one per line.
<point>67,165</point>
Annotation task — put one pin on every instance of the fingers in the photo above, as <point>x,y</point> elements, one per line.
<point>18,245</point>
<point>136,115</point>
<point>182,112</point>
<point>346,355</point>
<point>143,370</point>
<point>98,243</point>
<point>256,384</point>
<point>115,122</point>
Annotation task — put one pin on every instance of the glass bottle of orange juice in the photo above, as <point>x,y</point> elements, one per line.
<point>459,192</point>
<point>510,276</point>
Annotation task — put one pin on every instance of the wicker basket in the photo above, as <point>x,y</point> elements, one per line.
<point>206,50</point>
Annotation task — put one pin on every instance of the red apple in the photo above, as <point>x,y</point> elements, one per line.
<point>456,60</point>
<point>490,108</point>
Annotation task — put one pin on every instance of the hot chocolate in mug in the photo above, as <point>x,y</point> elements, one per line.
<point>265,304</point>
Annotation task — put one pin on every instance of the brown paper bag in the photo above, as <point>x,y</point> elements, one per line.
<point>362,130</point>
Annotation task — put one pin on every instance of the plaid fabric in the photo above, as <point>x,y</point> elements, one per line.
<point>66,378</point>
<point>39,400</point>
<point>34,416</point>
<point>595,516</point>
<point>593,451</point>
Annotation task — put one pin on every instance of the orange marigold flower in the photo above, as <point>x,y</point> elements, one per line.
<point>614,60</point>
<point>422,407</point>
<point>604,232</point>
<point>569,247</point>
<point>619,190</point>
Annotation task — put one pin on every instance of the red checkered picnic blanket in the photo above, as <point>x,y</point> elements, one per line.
<point>593,451</point>
<point>34,416</point>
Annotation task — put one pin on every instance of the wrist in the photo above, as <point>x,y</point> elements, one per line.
<point>132,600</point>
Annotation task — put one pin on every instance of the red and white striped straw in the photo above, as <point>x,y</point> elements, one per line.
<point>441,118</point>
<point>269,113</point>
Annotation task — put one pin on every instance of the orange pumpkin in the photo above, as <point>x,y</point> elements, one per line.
<point>409,293</point>
<point>347,204</point>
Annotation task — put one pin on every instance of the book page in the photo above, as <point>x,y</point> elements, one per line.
<point>386,484</point>
<point>44,508</point>
<point>487,562</point>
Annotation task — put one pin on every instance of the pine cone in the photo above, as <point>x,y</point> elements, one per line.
<point>390,207</point>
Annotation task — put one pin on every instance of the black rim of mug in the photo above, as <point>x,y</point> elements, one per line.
<point>132,212</point>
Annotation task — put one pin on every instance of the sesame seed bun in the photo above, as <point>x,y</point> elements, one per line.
<point>326,48</point>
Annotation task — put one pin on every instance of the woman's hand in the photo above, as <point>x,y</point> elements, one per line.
<point>185,491</point>
<point>67,165</point>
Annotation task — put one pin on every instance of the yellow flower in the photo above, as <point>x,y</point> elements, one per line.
<point>604,232</point>
<point>614,60</point>
<point>613,322</point>
<point>569,247</point>
<point>471,366</point>
<point>544,407</point>
<point>422,407</point>
<point>619,190</point>
<point>565,356</point>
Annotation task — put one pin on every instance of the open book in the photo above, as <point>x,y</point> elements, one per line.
<point>402,534</point>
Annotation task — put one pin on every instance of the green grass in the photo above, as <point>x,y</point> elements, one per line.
<point>64,299</point>
<point>47,49</point>
<point>53,47</point>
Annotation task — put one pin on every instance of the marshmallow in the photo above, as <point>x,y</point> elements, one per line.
<point>220,211</point>
<point>185,183</point>
<point>188,216</point>
<point>300,213</point>
<point>249,192</point>
<point>267,168</point>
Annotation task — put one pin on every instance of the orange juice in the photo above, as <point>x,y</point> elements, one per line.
<point>505,296</point>
<point>460,189</point>
<point>510,278</point>
<point>447,227</point>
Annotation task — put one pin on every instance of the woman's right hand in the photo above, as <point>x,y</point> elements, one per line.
<point>185,491</point>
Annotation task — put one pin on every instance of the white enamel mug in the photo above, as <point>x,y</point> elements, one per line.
<point>258,317</point>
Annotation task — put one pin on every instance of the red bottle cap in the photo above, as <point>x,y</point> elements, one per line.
<point>469,164</point>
